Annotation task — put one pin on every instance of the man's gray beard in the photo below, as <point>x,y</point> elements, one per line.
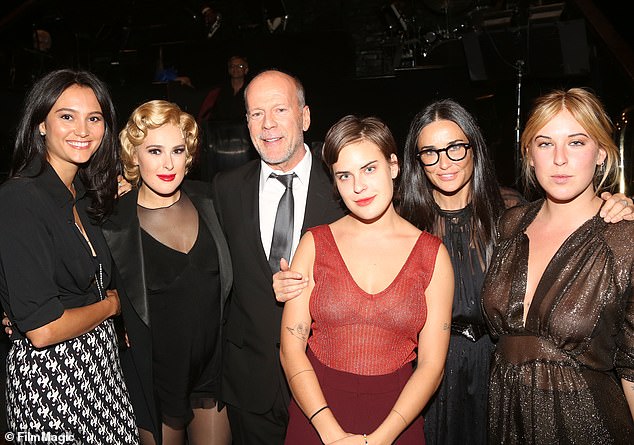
<point>272,161</point>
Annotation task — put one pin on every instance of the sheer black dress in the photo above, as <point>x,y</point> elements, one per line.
<point>457,412</point>
<point>183,295</point>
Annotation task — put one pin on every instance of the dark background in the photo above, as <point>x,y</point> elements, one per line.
<point>371,57</point>
<point>385,58</point>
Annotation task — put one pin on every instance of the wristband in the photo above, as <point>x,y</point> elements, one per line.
<point>310,420</point>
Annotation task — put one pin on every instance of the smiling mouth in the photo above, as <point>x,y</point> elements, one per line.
<point>269,140</point>
<point>79,144</point>
<point>166,178</point>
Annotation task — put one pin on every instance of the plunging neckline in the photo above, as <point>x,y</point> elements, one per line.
<point>83,232</point>
<point>351,278</point>
<point>180,252</point>
<point>538,294</point>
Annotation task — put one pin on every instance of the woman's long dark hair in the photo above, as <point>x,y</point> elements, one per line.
<point>99,175</point>
<point>417,202</point>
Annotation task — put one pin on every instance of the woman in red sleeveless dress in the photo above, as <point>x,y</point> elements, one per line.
<point>364,345</point>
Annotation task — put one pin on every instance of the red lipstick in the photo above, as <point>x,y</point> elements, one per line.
<point>166,178</point>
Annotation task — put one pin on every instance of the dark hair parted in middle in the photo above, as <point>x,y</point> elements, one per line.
<point>99,176</point>
<point>417,202</point>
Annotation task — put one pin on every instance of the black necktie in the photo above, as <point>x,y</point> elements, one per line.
<point>283,228</point>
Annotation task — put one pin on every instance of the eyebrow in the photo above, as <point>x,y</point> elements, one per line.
<point>163,146</point>
<point>455,141</point>
<point>72,110</point>
<point>360,168</point>
<point>569,136</point>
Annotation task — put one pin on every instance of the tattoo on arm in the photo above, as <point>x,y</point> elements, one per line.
<point>300,330</point>
<point>446,326</point>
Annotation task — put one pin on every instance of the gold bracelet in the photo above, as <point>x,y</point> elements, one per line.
<point>405,421</point>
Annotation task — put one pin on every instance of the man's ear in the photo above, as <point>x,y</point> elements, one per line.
<point>305,118</point>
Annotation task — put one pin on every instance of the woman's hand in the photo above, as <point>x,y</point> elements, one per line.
<point>7,324</point>
<point>112,296</point>
<point>123,186</point>
<point>288,284</point>
<point>616,207</point>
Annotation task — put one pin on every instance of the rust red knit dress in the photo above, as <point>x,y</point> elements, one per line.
<point>362,345</point>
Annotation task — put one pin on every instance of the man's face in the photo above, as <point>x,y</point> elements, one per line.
<point>276,120</point>
<point>237,68</point>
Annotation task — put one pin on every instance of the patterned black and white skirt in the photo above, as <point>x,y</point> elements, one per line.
<point>74,389</point>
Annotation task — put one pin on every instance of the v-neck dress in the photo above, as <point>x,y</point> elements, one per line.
<point>362,345</point>
<point>183,293</point>
<point>556,378</point>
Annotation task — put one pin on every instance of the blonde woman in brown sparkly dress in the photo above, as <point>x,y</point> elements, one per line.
<point>558,292</point>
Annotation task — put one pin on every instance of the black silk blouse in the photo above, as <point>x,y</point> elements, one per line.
<point>46,265</point>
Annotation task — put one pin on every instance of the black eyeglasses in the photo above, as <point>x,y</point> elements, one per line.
<point>455,152</point>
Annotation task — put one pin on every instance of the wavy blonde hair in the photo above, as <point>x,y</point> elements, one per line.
<point>149,116</point>
<point>588,110</point>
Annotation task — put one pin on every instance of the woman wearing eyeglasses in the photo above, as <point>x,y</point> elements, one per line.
<point>449,188</point>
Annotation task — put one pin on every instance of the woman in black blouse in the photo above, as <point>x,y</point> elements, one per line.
<point>175,278</point>
<point>63,372</point>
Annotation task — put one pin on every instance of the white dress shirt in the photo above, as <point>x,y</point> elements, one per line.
<point>270,193</point>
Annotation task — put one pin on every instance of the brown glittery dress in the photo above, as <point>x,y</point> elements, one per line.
<point>556,380</point>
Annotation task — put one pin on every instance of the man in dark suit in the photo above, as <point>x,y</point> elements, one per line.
<point>246,199</point>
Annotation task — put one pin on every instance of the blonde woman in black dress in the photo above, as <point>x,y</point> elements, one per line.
<point>175,277</point>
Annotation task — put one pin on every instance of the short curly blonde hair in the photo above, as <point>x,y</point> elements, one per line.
<point>149,116</point>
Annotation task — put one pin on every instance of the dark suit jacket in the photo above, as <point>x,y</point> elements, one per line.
<point>123,235</point>
<point>252,372</point>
